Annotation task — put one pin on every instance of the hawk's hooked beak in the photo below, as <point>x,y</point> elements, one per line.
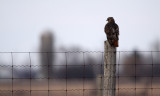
<point>107,19</point>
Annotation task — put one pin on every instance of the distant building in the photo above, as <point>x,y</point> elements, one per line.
<point>46,56</point>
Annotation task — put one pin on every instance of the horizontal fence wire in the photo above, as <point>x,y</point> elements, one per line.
<point>78,73</point>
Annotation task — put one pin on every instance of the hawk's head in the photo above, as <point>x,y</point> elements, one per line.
<point>110,19</point>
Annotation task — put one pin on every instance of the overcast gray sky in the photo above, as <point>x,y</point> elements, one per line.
<point>78,22</point>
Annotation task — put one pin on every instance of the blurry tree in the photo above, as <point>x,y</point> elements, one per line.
<point>75,68</point>
<point>133,65</point>
<point>156,56</point>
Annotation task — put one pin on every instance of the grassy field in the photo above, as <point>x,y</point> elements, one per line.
<point>59,87</point>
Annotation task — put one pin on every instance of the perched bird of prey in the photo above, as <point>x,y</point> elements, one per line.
<point>112,31</point>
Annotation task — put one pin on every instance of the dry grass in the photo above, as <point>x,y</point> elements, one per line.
<point>57,87</point>
<point>44,87</point>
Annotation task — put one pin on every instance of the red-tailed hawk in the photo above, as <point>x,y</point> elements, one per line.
<point>112,31</point>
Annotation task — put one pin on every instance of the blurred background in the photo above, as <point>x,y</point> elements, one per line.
<point>48,47</point>
<point>78,23</point>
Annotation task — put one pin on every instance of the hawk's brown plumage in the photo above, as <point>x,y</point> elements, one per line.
<point>112,31</point>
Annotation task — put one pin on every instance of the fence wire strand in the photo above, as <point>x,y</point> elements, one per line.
<point>78,74</point>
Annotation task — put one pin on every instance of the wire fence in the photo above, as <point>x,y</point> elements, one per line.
<point>77,73</point>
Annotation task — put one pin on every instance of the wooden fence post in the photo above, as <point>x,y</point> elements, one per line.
<point>109,70</point>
